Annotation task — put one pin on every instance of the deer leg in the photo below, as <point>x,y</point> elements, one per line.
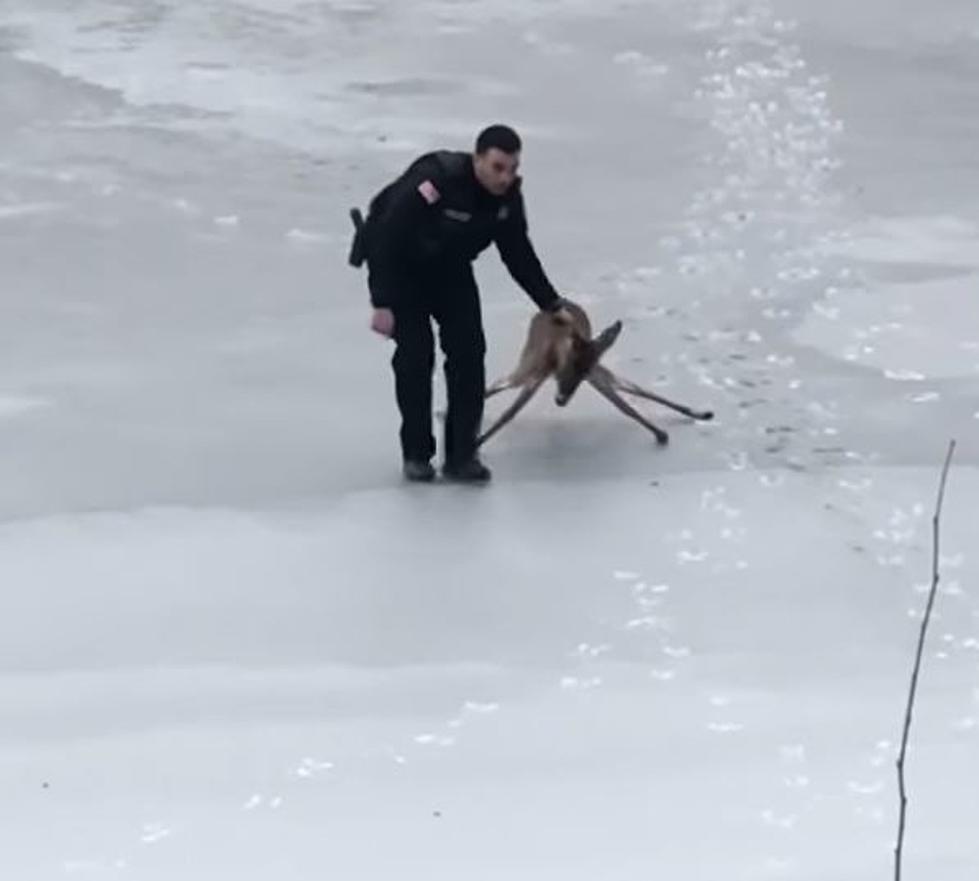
<point>603,386</point>
<point>525,371</point>
<point>501,385</point>
<point>630,388</point>
<point>526,393</point>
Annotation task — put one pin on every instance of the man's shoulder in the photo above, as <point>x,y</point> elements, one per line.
<point>453,163</point>
<point>445,164</point>
<point>435,172</point>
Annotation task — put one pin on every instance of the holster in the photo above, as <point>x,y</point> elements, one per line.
<point>358,247</point>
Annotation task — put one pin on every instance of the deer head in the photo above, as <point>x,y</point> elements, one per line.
<point>578,356</point>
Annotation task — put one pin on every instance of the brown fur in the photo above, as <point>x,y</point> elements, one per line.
<point>561,345</point>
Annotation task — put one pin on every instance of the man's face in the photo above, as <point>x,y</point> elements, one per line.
<point>496,170</point>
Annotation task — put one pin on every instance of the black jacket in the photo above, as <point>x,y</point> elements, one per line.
<point>437,217</point>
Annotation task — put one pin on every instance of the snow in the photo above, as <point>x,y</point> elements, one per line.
<point>234,645</point>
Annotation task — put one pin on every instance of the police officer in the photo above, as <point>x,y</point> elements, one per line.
<point>422,234</point>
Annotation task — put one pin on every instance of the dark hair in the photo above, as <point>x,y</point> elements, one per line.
<point>502,137</point>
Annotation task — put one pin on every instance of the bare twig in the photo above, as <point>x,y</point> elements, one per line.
<point>935,525</point>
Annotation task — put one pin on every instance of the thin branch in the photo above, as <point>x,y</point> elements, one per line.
<point>935,527</point>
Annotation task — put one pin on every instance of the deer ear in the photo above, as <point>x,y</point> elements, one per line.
<point>603,342</point>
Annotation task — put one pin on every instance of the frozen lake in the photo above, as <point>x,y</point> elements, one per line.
<point>234,645</point>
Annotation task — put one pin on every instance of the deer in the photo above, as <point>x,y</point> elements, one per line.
<point>560,344</point>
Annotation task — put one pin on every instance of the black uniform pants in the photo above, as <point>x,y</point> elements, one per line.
<point>452,300</point>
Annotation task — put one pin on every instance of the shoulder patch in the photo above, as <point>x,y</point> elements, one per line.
<point>429,192</point>
<point>503,213</point>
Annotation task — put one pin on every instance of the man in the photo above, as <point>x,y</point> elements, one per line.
<point>423,232</point>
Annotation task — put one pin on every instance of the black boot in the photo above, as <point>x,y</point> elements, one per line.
<point>469,471</point>
<point>418,471</point>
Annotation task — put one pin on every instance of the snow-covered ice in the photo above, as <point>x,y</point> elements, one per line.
<point>233,645</point>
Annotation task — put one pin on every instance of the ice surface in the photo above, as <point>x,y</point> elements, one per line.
<point>233,645</point>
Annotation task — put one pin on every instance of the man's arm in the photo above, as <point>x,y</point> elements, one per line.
<point>517,251</point>
<point>399,239</point>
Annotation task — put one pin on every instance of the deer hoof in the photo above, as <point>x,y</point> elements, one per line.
<point>707,415</point>
<point>662,438</point>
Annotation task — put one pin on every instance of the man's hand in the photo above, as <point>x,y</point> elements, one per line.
<point>382,322</point>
